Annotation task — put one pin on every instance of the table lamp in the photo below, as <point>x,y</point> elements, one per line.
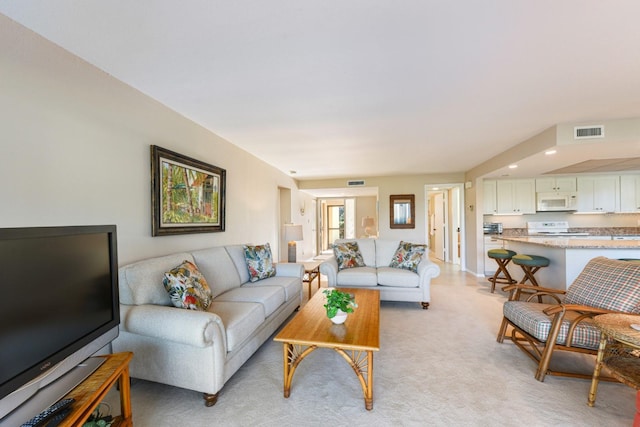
<point>367,223</point>
<point>292,232</point>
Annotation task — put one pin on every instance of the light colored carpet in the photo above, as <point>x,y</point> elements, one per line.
<point>436,367</point>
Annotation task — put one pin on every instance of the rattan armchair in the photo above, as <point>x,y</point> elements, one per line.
<point>564,322</point>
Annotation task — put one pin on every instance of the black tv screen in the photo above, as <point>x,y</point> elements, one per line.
<point>59,293</point>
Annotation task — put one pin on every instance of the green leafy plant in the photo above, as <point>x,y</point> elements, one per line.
<point>337,300</point>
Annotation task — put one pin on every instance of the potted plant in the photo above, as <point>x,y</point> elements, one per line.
<point>339,304</point>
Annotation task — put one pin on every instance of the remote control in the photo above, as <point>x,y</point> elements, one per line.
<point>39,419</point>
<point>57,418</point>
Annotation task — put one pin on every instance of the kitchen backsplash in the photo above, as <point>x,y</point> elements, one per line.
<point>594,231</point>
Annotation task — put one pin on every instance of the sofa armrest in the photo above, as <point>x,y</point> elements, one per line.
<point>329,268</point>
<point>290,270</point>
<point>427,270</point>
<point>197,328</point>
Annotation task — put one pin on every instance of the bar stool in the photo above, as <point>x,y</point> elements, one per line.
<point>530,264</point>
<point>502,257</point>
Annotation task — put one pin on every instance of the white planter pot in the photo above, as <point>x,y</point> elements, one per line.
<point>339,318</point>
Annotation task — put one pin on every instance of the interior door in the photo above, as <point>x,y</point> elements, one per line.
<point>439,227</point>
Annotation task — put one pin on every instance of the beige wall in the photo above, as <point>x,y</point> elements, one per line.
<point>75,150</point>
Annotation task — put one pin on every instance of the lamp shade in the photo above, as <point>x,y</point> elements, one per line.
<point>367,221</point>
<point>292,232</point>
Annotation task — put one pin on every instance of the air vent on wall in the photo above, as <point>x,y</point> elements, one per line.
<point>355,183</point>
<point>587,132</point>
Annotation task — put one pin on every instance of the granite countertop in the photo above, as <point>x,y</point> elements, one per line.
<point>568,243</point>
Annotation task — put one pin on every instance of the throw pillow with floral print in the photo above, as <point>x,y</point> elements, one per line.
<point>187,287</point>
<point>348,255</point>
<point>408,256</point>
<point>259,262</point>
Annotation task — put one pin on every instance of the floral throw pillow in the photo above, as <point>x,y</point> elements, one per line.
<point>408,256</point>
<point>348,255</point>
<point>259,262</point>
<point>187,287</point>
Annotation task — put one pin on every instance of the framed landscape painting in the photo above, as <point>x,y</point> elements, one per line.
<point>187,195</point>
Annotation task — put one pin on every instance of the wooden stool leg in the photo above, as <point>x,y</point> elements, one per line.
<point>505,278</point>
<point>529,275</point>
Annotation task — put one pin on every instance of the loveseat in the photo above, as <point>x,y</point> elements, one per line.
<point>201,350</point>
<point>394,283</point>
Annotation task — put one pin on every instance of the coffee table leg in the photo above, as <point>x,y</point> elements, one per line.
<point>287,366</point>
<point>362,364</point>
<point>292,355</point>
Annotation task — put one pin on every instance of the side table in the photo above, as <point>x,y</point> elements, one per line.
<point>311,272</point>
<point>89,393</point>
<point>619,351</point>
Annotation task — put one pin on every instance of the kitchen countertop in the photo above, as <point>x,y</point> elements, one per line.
<point>568,243</point>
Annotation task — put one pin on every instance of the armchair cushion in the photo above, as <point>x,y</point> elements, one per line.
<point>609,284</point>
<point>530,317</point>
<point>348,255</point>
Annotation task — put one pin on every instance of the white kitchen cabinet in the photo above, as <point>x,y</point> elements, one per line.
<point>516,196</point>
<point>630,193</point>
<point>552,184</point>
<point>489,197</point>
<point>599,194</point>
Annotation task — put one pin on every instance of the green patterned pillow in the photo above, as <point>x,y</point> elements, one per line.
<point>259,262</point>
<point>187,287</point>
<point>408,256</point>
<point>348,255</point>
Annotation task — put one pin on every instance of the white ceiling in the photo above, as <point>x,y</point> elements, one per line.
<point>358,88</point>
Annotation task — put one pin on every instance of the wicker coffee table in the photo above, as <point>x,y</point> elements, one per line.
<point>355,340</point>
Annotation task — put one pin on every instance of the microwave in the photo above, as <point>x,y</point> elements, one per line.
<point>556,201</point>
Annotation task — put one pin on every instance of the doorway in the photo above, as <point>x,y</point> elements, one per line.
<point>445,226</point>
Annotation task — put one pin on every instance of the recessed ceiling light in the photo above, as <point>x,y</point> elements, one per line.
<point>513,166</point>
<point>550,152</point>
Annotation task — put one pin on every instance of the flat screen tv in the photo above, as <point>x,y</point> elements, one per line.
<point>59,305</point>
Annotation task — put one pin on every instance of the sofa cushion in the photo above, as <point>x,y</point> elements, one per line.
<point>609,284</point>
<point>530,317</point>
<point>141,282</point>
<point>218,268</point>
<point>361,276</point>
<point>259,262</point>
<point>187,287</point>
<point>290,285</point>
<point>397,277</point>
<point>241,319</point>
<point>270,297</point>
<point>385,249</point>
<point>408,256</point>
<point>236,253</point>
<point>348,255</point>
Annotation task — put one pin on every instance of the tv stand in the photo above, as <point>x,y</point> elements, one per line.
<point>89,393</point>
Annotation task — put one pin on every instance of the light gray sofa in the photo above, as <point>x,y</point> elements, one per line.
<point>394,284</point>
<point>201,350</point>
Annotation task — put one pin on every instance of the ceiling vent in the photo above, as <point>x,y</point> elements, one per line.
<point>588,132</point>
<point>357,183</point>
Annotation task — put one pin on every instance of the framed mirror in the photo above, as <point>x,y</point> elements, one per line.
<point>402,211</point>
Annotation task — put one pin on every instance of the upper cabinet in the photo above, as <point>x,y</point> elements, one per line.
<point>489,197</point>
<point>599,194</point>
<point>565,183</point>
<point>630,193</point>
<point>516,196</point>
